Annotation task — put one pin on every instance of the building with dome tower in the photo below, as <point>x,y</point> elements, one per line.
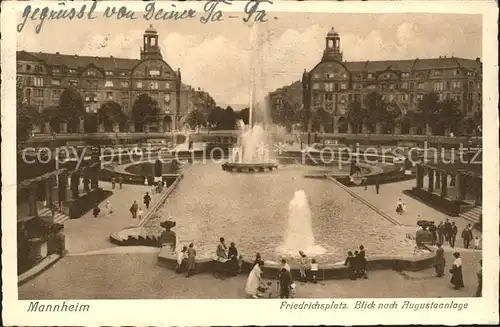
<point>334,83</point>
<point>43,77</point>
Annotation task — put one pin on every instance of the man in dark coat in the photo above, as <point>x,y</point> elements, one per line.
<point>147,200</point>
<point>440,231</point>
<point>447,230</point>
<point>362,262</point>
<point>454,232</point>
<point>433,229</point>
<point>285,278</point>
<point>96,211</point>
<point>350,262</point>
<point>467,236</point>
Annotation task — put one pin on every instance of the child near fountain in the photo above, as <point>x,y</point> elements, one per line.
<point>314,271</point>
<point>303,266</point>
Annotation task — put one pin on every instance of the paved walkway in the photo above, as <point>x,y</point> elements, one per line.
<point>387,199</point>
<point>89,234</point>
<point>136,276</point>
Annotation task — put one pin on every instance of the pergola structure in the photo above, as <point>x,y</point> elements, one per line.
<point>451,187</point>
<point>58,179</point>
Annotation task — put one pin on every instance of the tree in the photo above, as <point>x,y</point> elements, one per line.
<point>320,117</point>
<point>450,116</point>
<point>376,109</point>
<point>244,115</point>
<point>214,118</point>
<point>428,111</point>
<point>110,113</point>
<point>71,108</point>
<point>393,115</point>
<point>144,111</point>
<point>26,116</point>
<point>196,118</point>
<point>355,115</point>
<point>53,117</point>
<point>229,119</point>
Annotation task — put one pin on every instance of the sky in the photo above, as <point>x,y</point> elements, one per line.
<point>217,56</point>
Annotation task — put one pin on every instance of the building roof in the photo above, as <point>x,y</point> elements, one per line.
<point>151,30</point>
<point>332,32</point>
<point>76,61</point>
<point>414,64</point>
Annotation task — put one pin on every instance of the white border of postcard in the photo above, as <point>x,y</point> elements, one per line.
<point>259,312</point>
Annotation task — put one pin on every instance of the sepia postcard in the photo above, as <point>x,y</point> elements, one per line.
<point>186,163</point>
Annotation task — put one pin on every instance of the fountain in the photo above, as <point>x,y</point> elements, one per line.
<point>251,152</point>
<point>299,235</point>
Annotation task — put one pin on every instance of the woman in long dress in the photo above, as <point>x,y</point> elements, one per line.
<point>254,280</point>
<point>457,278</point>
<point>440,261</point>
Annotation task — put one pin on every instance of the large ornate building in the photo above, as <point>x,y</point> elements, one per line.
<point>333,83</point>
<point>43,77</point>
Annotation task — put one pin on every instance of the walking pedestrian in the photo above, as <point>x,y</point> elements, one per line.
<point>109,208</point>
<point>133,209</point>
<point>433,229</point>
<point>440,231</point>
<point>440,261</point>
<point>453,236</point>
<point>285,283</point>
<point>479,290</point>
<point>457,278</point>
<point>467,236</point>
<point>399,207</point>
<point>303,266</point>
<point>120,181</point>
<point>191,264</point>
<point>139,213</point>
<point>477,243</point>
<point>447,230</point>
<point>96,210</point>
<point>377,185</point>
<point>113,182</point>
<point>147,200</point>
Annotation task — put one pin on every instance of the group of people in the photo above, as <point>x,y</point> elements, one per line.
<point>109,209</point>
<point>286,286</point>
<point>447,232</point>
<point>400,207</point>
<point>186,260</point>
<point>137,211</point>
<point>113,182</point>
<point>457,277</point>
<point>156,187</point>
<point>228,262</point>
<point>357,263</point>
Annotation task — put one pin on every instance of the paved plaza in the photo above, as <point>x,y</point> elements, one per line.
<point>136,276</point>
<point>104,271</point>
<point>89,234</point>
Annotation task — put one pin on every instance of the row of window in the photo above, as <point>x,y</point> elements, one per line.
<point>39,82</point>
<point>92,98</point>
<point>437,86</point>
<point>435,73</point>
<point>150,72</point>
